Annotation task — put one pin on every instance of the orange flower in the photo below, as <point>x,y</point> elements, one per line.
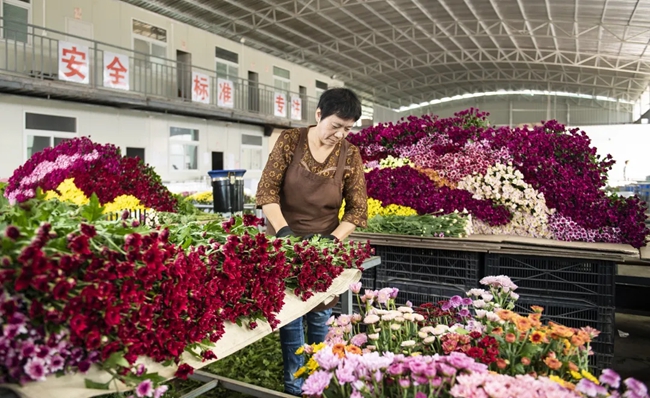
<point>339,349</point>
<point>577,341</point>
<point>552,363</point>
<point>523,324</point>
<point>506,315</point>
<point>573,367</point>
<point>535,320</point>
<point>584,336</point>
<point>353,349</point>
<point>537,309</point>
<point>525,361</point>
<point>498,331</point>
<point>537,337</point>
<point>502,363</point>
<point>511,338</point>
<point>560,330</point>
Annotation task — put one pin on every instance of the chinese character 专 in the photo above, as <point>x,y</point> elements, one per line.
<point>117,70</point>
<point>225,93</point>
<point>201,87</point>
<point>279,102</point>
<point>73,63</point>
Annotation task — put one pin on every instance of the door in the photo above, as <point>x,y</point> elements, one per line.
<point>253,92</point>
<point>303,99</point>
<point>217,160</point>
<point>184,74</point>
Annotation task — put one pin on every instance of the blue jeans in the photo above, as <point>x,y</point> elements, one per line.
<point>292,337</point>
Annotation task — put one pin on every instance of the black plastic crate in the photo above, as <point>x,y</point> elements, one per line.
<point>429,266</point>
<point>590,281</point>
<point>576,314</point>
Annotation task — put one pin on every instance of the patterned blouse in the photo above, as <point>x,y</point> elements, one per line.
<point>354,182</point>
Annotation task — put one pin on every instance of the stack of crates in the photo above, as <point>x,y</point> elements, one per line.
<point>426,275</point>
<point>573,292</point>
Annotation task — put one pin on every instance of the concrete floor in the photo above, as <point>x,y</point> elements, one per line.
<point>632,354</point>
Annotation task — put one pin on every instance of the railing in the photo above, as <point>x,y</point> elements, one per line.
<point>31,50</point>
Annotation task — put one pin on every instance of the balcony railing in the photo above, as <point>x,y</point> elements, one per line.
<point>33,51</point>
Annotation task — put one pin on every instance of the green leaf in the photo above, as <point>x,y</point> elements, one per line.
<point>92,211</point>
<point>97,386</point>
<point>116,359</point>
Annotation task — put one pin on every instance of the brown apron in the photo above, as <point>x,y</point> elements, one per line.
<point>309,202</point>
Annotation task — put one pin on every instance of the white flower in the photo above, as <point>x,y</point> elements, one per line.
<point>395,326</point>
<point>429,340</point>
<point>418,317</point>
<point>422,335</point>
<point>440,329</point>
<point>408,343</point>
<point>405,309</point>
<point>370,319</point>
<point>373,336</point>
<point>479,303</point>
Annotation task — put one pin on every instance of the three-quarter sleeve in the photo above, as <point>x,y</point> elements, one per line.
<point>354,191</point>
<point>268,189</point>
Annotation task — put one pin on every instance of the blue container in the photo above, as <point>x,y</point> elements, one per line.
<point>227,190</point>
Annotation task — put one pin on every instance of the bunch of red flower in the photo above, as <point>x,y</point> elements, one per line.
<point>484,349</point>
<point>140,294</point>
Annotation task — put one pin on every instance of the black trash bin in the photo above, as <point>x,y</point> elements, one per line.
<point>227,190</point>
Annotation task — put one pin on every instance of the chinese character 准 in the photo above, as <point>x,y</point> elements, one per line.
<point>201,87</point>
<point>279,102</point>
<point>72,63</point>
<point>117,70</point>
<point>225,93</point>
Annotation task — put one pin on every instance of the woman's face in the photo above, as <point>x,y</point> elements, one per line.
<point>332,129</point>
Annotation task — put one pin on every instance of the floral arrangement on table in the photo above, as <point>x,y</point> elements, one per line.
<point>474,346</point>
<point>546,181</point>
<point>96,169</point>
<point>79,291</point>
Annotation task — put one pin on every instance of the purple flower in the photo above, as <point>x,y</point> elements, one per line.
<point>456,301</point>
<point>316,383</point>
<point>327,359</point>
<point>636,387</point>
<point>590,388</point>
<point>464,313</point>
<point>611,378</point>
<point>35,369</point>
<point>56,363</point>
<point>144,389</point>
<point>420,394</point>
<point>345,374</point>
<point>359,339</point>
<point>467,301</point>
<point>84,366</point>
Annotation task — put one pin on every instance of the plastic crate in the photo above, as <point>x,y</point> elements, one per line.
<point>429,266</point>
<point>576,314</point>
<point>590,281</point>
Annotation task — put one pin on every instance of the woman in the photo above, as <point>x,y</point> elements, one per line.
<point>309,173</point>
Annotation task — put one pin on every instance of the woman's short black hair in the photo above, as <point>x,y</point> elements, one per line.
<point>341,102</point>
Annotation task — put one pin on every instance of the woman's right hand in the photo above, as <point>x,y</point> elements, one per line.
<point>284,232</point>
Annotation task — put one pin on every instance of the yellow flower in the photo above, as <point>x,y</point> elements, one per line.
<point>375,208</point>
<point>576,375</point>
<point>312,365</point>
<point>300,372</point>
<point>589,376</point>
<point>300,350</point>
<point>70,193</point>
<point>123,202</point>
<point>202,197</point>
<point>537,337</point>
<point>318,347</point>
<point>561,382</point>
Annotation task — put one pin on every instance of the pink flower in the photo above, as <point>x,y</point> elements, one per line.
<point>144,389</point>
<point>355,287</point>
<point>35,369</point>
<point>158,392</point>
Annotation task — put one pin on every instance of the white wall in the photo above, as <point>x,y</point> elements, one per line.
<point>126,128</point>
<point>111,22</point>
<point>624,142</point>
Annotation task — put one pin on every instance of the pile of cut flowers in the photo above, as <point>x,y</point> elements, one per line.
<point>543,182</point>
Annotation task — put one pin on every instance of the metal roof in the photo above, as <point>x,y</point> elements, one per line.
<point>401,52</point>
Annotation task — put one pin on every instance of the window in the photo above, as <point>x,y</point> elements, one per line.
<point>251,152</point>
<point>320,88</point>
<point>184,148</point>
<point>135,153</point>
<point>227,64</point>
<point>149,43</point>
<point>281,78</point>
<point>44,131</point>
<point>15,17</point>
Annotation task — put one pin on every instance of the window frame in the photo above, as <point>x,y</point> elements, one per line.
<point>46,133</point>
<point>228,64</point>
<point>21,4</point>
<point>251,147</point>
<point>150,42</point>
<point>196,144</point>
<point>281,79</point>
